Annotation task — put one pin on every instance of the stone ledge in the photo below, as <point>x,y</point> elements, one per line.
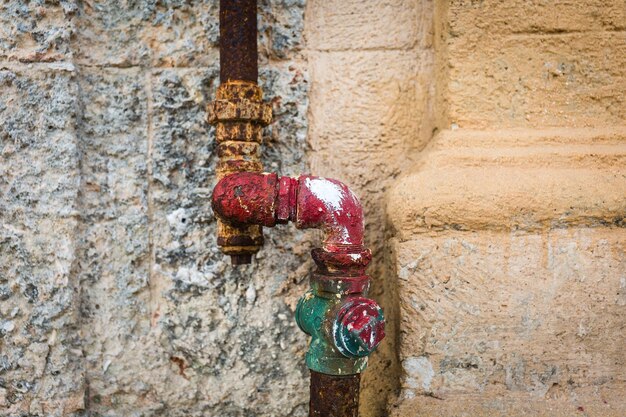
<point>514,180</point>
<point>592,404</point>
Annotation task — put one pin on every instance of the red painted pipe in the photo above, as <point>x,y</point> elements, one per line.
<point>309,201</point>
<point>248,198</point>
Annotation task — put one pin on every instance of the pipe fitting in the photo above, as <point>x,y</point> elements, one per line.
<point>239,114</point>
<point>359,327</point>
<point>344,331</point>
<point>310,202</point>
<point>345,327</point>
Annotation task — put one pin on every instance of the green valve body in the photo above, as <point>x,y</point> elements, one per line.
<point>345,327</point>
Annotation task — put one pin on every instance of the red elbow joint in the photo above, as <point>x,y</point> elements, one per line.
<point>330,205</point>
<point>310,202</point>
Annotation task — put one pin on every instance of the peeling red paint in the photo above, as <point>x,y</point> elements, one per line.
<point>361,317</point>
<point>311,202</point>
<point>250,198</point>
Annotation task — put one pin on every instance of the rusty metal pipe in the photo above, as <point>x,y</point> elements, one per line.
<point>345,326</point>
<point>238,114</point>
<point>238,41</point>
<point>334,396</point>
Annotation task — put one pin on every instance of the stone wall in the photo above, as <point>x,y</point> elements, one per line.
<point>485,139</point>
<point>508,231</point>
<point>114,298</point>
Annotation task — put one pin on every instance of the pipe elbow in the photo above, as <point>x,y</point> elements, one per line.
<point>311,202</point>
<point>331,206</point>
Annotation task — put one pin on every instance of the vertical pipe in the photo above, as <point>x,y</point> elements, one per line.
<point>239,114</point>
<point>334,396</point>
<point>238,43</point>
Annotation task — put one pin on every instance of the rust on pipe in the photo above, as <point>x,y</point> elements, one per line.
<point>238,41</point>
<point>239,114</point>
<point>334,396</point>
<point>241,259</point>
<point>244,201</point>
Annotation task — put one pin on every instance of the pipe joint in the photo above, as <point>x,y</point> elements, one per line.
<point>239,114</point>
<point>248,198</point>
<point>345,328</point>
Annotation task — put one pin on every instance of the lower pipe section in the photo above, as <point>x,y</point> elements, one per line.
<point>334,396</point>
<point>345,326</point>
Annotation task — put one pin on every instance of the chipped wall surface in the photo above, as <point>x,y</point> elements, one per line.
<point>114,299</point>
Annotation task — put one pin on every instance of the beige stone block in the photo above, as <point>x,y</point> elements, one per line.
<point>513,180</point>
<point>508,317</point>
<point>523,16</point>
<point>361,107</point>
<point>354,25</point>
<point>597,403</point>
<point>532,80</point>
<point>510,261</point>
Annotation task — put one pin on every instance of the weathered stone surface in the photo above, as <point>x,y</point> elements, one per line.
<point>499,317</point>
<point>36,31</point>
<point>281,28</point>
<point>115,302</point>
<point>107,168</point>
<point>514,180</point>
<point>357,25</point>
<point>534,64</point>
<point>526,17</point>
<point>41,370</point>
<point>509,228</point>
<point>149,33</point>
<point>114,262</point>
<point>177,33</point>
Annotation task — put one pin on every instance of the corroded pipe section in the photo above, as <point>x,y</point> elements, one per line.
<point>239,115</point>
<point>238,43</point>
<point>334,396</point>
<point>309,201</point>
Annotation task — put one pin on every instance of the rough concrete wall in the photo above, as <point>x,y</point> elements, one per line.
<point>41,365</point>
<point>114,298</point>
